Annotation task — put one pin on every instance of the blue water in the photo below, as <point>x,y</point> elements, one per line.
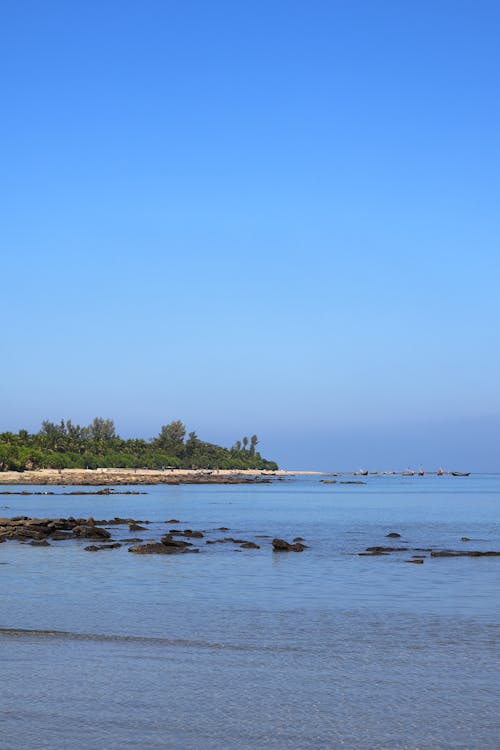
<point>245,649</point>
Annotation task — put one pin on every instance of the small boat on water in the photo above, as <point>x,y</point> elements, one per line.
<point>440,472</point>
<point>421,472</point>
<point>408,473</point>
<point>460,473</point>
<point>361,473</point>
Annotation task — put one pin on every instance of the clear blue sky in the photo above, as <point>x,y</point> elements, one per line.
<point>270,217</point>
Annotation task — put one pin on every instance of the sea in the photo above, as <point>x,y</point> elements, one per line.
<point>251,649</point>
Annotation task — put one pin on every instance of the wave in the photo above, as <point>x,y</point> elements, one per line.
<point>140,639</point>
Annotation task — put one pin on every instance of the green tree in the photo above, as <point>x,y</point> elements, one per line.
<point>253,444</point>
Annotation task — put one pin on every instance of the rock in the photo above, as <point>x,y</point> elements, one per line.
<point>298,539</point>
<point>465,553</point>
<point>60,535</point>
<point>157,548</point>
<point>173,520</point>
<point>464,539</point>
<point>136,527</point>
<point>417,561</point>
<point>386,549</point>
<point>168,541</point>
<point>91,532</point>
<point>393,535</point>
<point>371,554</point>
<point>39,543</point>
<point>280,545</point>
<point>223,528</point>
<point>249,545</point>
<point>95,548</point>
<point>131,540</point>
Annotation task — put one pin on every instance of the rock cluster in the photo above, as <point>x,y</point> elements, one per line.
<point>419,559</point>
<point>23,528</point>
<point>280,545</point>
<point>41,531</point>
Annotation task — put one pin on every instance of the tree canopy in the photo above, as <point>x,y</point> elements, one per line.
<point>65,445</point>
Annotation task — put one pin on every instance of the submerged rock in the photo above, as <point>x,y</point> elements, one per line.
<point>157,548</point>
<point>393,535</point>
<point>386,549</point>
<point>464,553</point>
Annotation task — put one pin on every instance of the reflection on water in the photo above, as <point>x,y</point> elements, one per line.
<point>252,649</point>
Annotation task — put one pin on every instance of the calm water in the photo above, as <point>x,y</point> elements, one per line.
<point>246,649</point>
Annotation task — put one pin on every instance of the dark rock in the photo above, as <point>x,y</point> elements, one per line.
<point>386,549</point>
<point>372,554</point>
<point>136,527</point>
<point>95,548</point>
<point>168,541</point>
<point>280,545</point>
<point>223,528</point>
<point>417,561</point>
<point>60,535</point>
<point>464,539</point>
<point>298,539</point>
<point>157,548</point>
<point>249,545</point>
<point>91,532</point>
<point>131,540</point>
<point>393,535</point>
<point>39,543</point>
<point>465,553</point>
<point>173,520</point>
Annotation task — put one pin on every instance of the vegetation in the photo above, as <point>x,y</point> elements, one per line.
<point>69,446</point>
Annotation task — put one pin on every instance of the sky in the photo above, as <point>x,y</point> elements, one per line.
<point>270,217</point>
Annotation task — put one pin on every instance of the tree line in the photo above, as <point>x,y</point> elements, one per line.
<point>65,445</point>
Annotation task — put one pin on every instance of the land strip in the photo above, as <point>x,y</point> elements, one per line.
<point>98,477</point>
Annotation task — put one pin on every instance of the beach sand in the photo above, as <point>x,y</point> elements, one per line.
<point>141,476</point>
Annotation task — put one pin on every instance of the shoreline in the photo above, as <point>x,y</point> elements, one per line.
<point>97,477</point>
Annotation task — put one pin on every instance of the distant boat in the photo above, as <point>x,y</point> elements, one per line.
<point>408,473</point>
<point>421,472</point>
<point>460,473</point>
<point>440,472</point>
<point>361,473</point>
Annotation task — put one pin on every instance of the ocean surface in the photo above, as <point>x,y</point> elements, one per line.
<point>248,649</point>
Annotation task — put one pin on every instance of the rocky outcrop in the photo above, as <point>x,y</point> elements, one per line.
<point>280,545</point>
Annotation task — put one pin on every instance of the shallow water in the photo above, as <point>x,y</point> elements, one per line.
<point>242,649</point>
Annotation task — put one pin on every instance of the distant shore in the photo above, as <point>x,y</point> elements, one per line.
<point>96,477</point>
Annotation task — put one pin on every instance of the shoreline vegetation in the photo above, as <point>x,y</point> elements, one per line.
<point>68,446</point>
